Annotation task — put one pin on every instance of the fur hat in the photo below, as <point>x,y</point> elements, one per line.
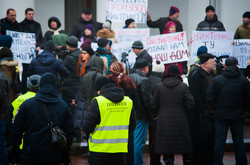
<point>137,45</point>
<point>72,41</point>
<point>231,61</point>
<point>158,67</point>
<point>33,81</point>
<point>246,15</point>
<point>49,46</point>
<point>205,57</point>
<point>201,50</point>
<point>173,10</point>
<point>100,82</point>
<point>102,42</point>
<point>210,8</point>
<point>173,69</point>
<point>48,79</point>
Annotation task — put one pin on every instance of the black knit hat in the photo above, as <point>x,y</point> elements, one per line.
<point>137,45</point>
<point>100,82</point>
<point>129,21</point>
<point>246,14</point>
<point>72,41</point>
<point>86,11</point>
<point>141,63</point>
<point>102,42</point>
<point>48,79</point>
<point>49,46</point>
<point>173,10</point>
<point>201,50</point>
<point>205,57</point>
<point>210,8</point>
<point>6,40</point>
<point>173,69</point>
<point>231,61</point>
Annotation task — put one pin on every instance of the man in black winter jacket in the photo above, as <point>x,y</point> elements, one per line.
<point>9,22</point>
<point>85,19</point>
<point>31,119</point>
<point>211,22</point>
<point>229,94</point>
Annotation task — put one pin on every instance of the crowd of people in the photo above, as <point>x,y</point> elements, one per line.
<point>89,93</point>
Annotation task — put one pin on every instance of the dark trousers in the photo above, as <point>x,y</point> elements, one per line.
<point>107,158</point>
<point>130,154</point>
<point>24,162</point>
<point>155,159</point>
<point>24,78</point>
<point>221,129</point>
<point>169,159</point>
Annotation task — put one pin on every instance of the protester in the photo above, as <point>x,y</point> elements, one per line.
<point>141,53</point>
<point>211,22</point>
<point>155,78</point>
<point>174,14</point>
<point>202,120</point>
<point>129,23</point>
<point>107,32</point>
<point>105,114</point>
<point>171,102</point>
<point>29,25</point>
<point>37,146</point>
<point>9,22</point>
<point>229,95</point>
<point>119,77</point>
<point>88,33</point>
<point>47,62</point>
<point>85,19</point>
<point>9,67</point>
<point>142,112</point>
<point>171,28</point>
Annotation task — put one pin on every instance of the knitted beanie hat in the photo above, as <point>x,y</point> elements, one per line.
<point>129,21</point>
<point>100,82</point>
<point>169,25</point>
<point>90,27</point>
<point>231,61</point>
<point>137,45</point>
<point>102,42</point>
<point>173,10</point>
<point>246,15</point>
<point>210,8</point>
<point>72,41</point>
<point>201,50</point>
<point>173,69</point>
<point>158,67</point>
<point>33,81</point>
<point>48,79</point>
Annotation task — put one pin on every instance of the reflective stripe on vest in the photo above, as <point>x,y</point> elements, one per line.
<point>111,135</point>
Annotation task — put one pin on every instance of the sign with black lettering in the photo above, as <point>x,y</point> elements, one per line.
<point>242,52</point>
<point>23,46</point>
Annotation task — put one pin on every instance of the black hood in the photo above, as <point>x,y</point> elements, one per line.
<point>112,93</point>
<point>215,19</point>
<point>171,82</point>
<point>56,20</point>
<point>232,72</point>
<point>48,94</point>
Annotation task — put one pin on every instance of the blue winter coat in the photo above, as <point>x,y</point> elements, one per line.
<point>47,62</point>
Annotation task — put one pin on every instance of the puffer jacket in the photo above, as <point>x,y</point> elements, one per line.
<point>211,25</point>
<point>47,62</point>
<point>144,93</point>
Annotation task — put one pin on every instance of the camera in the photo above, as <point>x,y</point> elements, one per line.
<point>61,51</point>
<point>219,65</point>
<point>124,60</point>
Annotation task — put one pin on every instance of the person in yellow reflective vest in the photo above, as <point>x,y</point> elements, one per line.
<point>33,83</point>
<point>108,122</point>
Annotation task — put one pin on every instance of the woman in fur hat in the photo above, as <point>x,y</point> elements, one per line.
<point>107,32</point>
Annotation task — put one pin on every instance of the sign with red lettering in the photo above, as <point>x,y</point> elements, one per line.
<point>242,52</point>
<point>119,11</point>
<point>217,43</point>
<point>23,46</point>
<point>168,48</point>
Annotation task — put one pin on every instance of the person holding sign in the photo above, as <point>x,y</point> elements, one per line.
<point>9,22</point>
<point>174,14</point>
<point>211,22</point>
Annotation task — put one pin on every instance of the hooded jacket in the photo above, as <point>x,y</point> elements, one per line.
<point>92,117</point>
<point>37,146</point>
<point>211,25</point>
<point>89,80</point>
<point>171,102</point>
<point>47,62</point>
<point>48,35</point>
<point>79,27</point>
<point>229,94</point>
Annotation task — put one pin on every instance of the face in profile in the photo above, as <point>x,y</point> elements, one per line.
<point>132,25</point>
<point>175,16</point>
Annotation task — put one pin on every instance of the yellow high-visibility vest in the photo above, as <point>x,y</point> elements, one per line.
<point>111,135</point>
